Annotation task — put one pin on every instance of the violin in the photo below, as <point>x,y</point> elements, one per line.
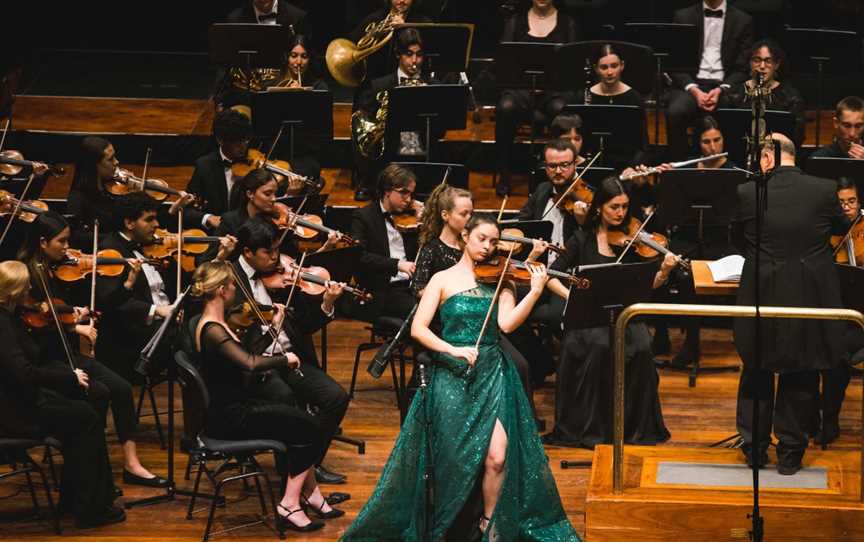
<point>510,236</point>
<point>407,221</point>
<point>852,242</point>
<point>489,272</point>
<point>647,245</point>
<point>242,317</point>
<point>124,182</point>
<point>27,210</point>
<point>165,243</point>
<point>12,162</point>
<point>303,226</point>
<point>37,314</point>
<point>312,280</point>
<point>109,263</point>
<point>280,169</point>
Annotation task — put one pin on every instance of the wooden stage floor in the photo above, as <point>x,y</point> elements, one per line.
<point>696,417</point>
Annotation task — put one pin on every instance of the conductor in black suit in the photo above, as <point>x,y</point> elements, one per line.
<point>796,270</point>
<point>387,261</point>
<point>212,179</point>
<point>726,35</point>
<point>269,12</point>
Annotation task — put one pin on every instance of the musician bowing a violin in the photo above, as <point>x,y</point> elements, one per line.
<point>584,374</point>
<point>258,245</point>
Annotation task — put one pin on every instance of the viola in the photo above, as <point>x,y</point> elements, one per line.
<point>124,182</point>
<point>303,226</point>
<point>244,316</point>
<point>37,314</point>
<point>109,263</point>
<point>12,162</point>
<point>165,244</point>
<point>647,245</point>
<point>312,280</point>
<point>27,210</point>
<point>407,221</point>
<point>515,235</point>
<point>852,242</point>
<point>280,169</point>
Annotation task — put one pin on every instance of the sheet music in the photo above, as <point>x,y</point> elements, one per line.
<point>727,269</point>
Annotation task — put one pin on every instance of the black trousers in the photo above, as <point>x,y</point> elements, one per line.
<point>681,112</point>
<point>87,483</point>
<point>106,386</point>
<point>515,106</point>
<point>790,410</point>
<point>395,301</point>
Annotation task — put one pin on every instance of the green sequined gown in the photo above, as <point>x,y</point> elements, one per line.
<point>464,407</point>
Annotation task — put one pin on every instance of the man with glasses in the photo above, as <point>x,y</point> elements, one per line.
<point>387,261</point>
<point>212,179</point>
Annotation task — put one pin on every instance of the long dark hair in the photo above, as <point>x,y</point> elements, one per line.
<point>47,226</point>
<point>443,198</point>
<point>311,68</point>
<point>253,180</point>
<point>610,187</point>
<point>89,155</point>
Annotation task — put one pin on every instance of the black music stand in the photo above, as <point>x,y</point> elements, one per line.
<point>640,63</point>
<point>836,52</point>
<point>676,48</point>
<point>834,168</point>
<point>597,300</point>
<point>248,45</point>
<point>430,174</point>
<point>736,127</point>
<point>428,107</point>
<point>308,111</point>
<point>611,126</point>
<point>446,46</point>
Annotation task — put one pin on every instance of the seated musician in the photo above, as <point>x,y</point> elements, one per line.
<point>847,193</point>
<point>848,131</point>
<point>212,179</point>
<point>409,72</point>
<point>542,23</point>
<point>569,127</point>
<point>268,12</point>
<point>387,261</point>
<point>258,245</point>
<point>242,406</point>
<point>44,249</point>
<point>89,198</point>
<point>768,59</point>
<point>727,34</point>
<point>584,381</point>
<point>39,401</point>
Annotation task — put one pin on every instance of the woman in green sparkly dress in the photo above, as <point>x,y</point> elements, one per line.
<point>482,438</point>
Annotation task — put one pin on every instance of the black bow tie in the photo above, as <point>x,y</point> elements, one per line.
<point>267,17</point>
<point>718,13</point>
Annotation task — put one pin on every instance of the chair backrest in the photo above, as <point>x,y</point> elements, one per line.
<point>196,398</point>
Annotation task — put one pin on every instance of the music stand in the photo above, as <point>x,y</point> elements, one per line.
<point>248,45</point>
<point>639,72</point>
<point>834,168</point>
<point>422,107</point>
<point>738,121</point>
<point>598,298</point>
<point>310,111</point>
<point>676,48</point>
<point>446,46</point>
<point>836,51</point>
<point>430,174</point>
<point>611,126</point>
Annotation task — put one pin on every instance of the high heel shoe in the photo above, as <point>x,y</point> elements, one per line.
<point>332,514</point>
<point>283,523</point>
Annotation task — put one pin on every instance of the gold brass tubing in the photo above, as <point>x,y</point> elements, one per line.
<point>735,311</point>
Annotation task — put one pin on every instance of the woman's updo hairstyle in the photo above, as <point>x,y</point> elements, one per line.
<point>209,277</point>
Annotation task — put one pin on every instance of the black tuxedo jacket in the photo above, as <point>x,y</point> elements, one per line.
<point>287,15</point>
<point>536,205</point>
<point>734,47</point>
<point>208,183</point>
<point>376,265</point>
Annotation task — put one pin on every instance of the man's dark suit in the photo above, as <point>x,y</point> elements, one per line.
<point>286,15</point>
<point>377,266</point>
<point>208,183</point>
<point>734,48</point>
<point>796,270</point>
<point>535,207</point>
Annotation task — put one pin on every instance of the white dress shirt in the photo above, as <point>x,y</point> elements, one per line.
<point>557,219</point>
<point>274,11</point>
<point>397,246</point>
<point>154,280</point>
<point>262,297</point>
<point>711,66</point>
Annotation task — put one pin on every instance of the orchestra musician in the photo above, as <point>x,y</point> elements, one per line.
<point>847,194</point>
<point>584,381</point>
<point>542,23</point>
<point>793,274</point>
<point>45,248</point>
<point>88,198</point>
<point>258,246</point>
<point>726,35</point>
<point>242,406</point>
<point>569,127</point>
<point>269,12</point>
<point>848,131</point>
<point>39,401</point>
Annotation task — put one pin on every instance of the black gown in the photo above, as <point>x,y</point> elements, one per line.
<point>583,398</point>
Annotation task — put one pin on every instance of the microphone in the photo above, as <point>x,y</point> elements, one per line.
<point>382,356</point>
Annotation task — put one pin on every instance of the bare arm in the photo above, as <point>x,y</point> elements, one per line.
<point>557,287</point>
<point>420,330</point>
<point>512,315</point>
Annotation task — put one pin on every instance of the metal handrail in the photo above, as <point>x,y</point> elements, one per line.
<point>673,309</point>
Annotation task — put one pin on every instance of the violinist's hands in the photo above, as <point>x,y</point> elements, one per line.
<point>538,248</point>
<point>184,200</point>
<point>669,263</point>
<point>163,311</point>
<point>856,151</point>
<point>40,169</point>
<point>227,244</point>
<point>468,353</point>
<point>88,331</point>
<point>83,379</point>
<point>539,277</point>
<point>278,315</point>
<point>80,314</point>
<point>407,267</point>
<point>417,207</point>
<point>332,292</point>
<point>214,221</point>
<point>333,239</point>
<point>293,360</point>
<point>134,270</point>
<point>579,210</point>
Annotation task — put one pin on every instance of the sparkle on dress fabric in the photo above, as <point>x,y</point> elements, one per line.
<point>463,408</point>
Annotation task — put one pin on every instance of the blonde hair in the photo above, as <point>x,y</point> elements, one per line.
<point>443,198</point>
<point>209,277</point>
<point>14,280</point>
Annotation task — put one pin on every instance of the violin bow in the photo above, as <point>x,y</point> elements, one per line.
<point>87,348</point>
<point>295,281</point>
<point>572,185</point>
<point>18,202</point>
<point>146,165</point>
<point>48,298</point>
<point>842,242</point>
<point>5,131</point>
<point>501,210</point>
<point>495,297</point>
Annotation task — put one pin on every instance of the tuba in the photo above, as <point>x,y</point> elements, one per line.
<point>347,60</point>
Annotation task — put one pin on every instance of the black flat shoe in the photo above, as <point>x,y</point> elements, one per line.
<point>788,469</point>
<point>116,492</point>
<point>325,476</point>
<point>332,514</point>
<point>283,523</point>
<point>156,481</point>
<point>336,497</point>
<point>111,515</point>
<point>763,458</point>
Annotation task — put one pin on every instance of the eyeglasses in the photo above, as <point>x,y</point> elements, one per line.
<point>559,165</point>
<point>848,203</point>
<point>759,60</point>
